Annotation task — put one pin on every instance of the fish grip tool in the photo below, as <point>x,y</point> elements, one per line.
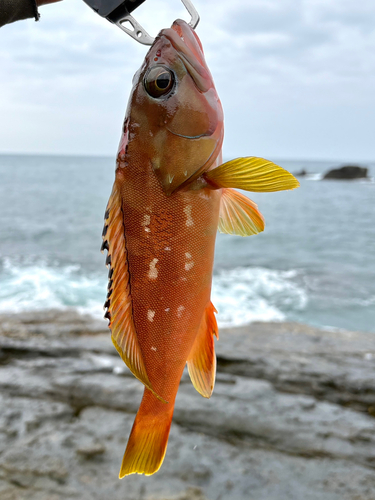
<point>119,12</point>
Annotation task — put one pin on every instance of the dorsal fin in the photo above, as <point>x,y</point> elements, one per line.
<point>119,302</point>
<point>202,359</point>
<point>239,215</point>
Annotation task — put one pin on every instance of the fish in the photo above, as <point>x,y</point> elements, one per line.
<point>171,195</point>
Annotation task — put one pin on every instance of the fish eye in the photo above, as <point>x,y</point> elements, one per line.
<point>159,81</point>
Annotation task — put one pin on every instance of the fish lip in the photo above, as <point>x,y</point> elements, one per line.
<point>194,64</point>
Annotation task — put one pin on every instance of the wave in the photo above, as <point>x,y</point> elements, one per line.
<point>248,294</point>
<point>314,177</point>
<point>39,286</point>
<point>320,176</point>
<point>240,295</point>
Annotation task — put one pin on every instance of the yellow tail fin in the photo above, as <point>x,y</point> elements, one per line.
<point>148,439</point>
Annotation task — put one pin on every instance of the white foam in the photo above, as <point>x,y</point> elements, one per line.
<point>39,286</point>
<point>314,177</point>
<point>240,295</point>
<point>243,295</point>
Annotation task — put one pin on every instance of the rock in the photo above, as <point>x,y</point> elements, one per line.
<point>348,172</point>
<point>301,173</point>
<point>290,417</point>
<point>189,494</point>
<point>91,450</point>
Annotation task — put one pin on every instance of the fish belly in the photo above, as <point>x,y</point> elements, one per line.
<point>170,246</point>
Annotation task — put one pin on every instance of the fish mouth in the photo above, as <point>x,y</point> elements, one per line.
<point>189,49</point>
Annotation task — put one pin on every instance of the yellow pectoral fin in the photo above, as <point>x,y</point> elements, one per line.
<point>202,359</point>
<point>251,174</point>
<point>119,301</point>
<point>239,215</point>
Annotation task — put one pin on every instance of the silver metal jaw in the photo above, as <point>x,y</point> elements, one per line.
<point>119,12</point>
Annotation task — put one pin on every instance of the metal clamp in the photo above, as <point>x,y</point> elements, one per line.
<point>119,12</point>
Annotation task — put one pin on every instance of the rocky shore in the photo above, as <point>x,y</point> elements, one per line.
<point>292,416</point>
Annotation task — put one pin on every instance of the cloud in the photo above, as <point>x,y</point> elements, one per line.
<point>290,73</point>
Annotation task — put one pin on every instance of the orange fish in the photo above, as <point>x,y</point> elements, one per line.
<point>170,196</point>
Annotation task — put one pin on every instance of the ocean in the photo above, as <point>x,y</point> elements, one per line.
<point>314,263</point>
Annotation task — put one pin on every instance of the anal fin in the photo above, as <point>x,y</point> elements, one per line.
<point>239,215</point>
<point>202,359</point>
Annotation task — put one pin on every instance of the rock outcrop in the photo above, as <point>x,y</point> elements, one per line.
<point>291,417</point>
<point>347,173</point>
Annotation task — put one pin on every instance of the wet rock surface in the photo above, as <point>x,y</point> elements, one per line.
<point>291,416</point>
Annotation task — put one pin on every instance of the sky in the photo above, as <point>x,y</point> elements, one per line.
<point>296,77</point>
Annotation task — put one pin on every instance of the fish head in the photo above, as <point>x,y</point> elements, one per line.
<point>174,112</point>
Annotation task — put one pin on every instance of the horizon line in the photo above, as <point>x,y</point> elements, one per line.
<point>88,155</point>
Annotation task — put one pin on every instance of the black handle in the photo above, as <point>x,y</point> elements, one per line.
<point>114,9</point>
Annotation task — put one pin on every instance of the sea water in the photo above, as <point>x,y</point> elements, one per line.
<point>314,263</point>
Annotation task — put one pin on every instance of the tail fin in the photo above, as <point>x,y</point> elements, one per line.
<point>148,439</point>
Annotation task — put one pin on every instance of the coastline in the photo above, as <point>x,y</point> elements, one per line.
<point>291,417</point>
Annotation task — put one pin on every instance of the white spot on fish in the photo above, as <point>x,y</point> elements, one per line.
<point>156,163</point>
<point>170,178</point>
<point>189,265</point>
<point>167,310</point>
<point>150,315</point>
<point>146,220</point>
<point>185,173</point>
<point>180,310</point>
<point>153,272</point>
<point>168,249</point>
<point>188,255</point>
<point>204,196</point>
<point>153,349</point>
<point>189,218</point>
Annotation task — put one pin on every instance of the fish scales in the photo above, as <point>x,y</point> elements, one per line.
<point>170,269</point>
<point>170,196</point>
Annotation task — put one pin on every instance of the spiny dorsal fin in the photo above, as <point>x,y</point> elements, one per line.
<point>119,302</point>
<point>251,174</point>
<point>202,359</point>
<point>239,215</point>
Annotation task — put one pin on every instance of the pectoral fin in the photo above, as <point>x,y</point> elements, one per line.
<point>251,174</point>
<point>202,359</point>
<point>119,302</point>
<point>239,215</point>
